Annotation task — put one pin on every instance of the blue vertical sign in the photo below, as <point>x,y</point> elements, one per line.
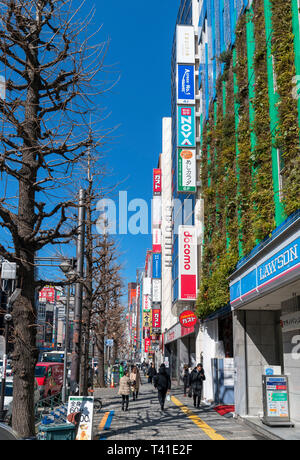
<point>186,84</point>
<point>156,267</point>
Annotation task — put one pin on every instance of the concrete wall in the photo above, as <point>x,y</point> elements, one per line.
<point>256,345</point>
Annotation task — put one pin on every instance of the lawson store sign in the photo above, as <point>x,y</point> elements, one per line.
<point>266,274</point>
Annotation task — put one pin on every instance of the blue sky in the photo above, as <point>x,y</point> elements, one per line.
<point>141,35</point>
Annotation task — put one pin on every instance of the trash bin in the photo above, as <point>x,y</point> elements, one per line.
<point>55,432</point>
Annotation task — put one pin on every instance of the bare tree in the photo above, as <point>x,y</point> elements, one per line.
<point>49,64</point>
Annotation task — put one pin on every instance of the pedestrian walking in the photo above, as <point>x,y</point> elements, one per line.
<point>151,373</point>
<point>162,383</point>
<point>135,378</point>
<point>197,378</point>
<point>186,378</point>
<point>124,390</point>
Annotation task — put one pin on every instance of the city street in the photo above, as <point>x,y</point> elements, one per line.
<point>145,421</point>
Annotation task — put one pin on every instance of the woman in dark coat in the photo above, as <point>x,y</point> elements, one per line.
<point>162,382</point>
<point>197,378</point>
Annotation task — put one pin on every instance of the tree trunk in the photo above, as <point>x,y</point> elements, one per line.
<point>24,357</point>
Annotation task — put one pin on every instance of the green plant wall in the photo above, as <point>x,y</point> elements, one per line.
<point>237,146</point>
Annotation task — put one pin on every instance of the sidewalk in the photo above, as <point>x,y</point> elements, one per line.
<point>181,421</point>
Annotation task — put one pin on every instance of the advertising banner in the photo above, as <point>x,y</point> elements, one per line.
<point>187,260</point>
<point>186,84</point>
<point>156,266</point>
<point>157,182</point>
<point>185,44</point>
<point>186,171</point>
<point>186,129</point>
<point>156,291</point>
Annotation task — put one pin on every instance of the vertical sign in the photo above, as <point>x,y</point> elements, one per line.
<point>157,182</point>
<point>186,170</point>
<point>187,261</point>
<point>185,44</point>
<point>156,266</point>
<point>156,320</point>
<point>156,243</point>
<point>186,127</point>
<point>186,84</point>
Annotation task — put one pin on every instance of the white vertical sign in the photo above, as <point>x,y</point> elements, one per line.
<point>185,44</point>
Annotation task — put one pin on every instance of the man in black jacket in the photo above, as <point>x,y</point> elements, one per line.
<point>162,382</point>
<point>151,373</point>
<point>197,378</point>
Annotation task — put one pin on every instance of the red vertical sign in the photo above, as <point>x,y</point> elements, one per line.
<point>157,182</point>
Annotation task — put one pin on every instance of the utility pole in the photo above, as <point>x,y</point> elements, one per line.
<point>76,352</point>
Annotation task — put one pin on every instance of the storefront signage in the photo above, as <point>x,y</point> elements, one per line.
<point>185,44</point>
<point>186,132</point>
<point>187,263</point>
<point>157,182</point>
<point>186,84</point>
<point>276,399</point>
<point>85,405</point>
<point>156,266</point>
<point>173,334</point>
<point>186,170</point>
<point>264,275</point>
<point>188,319</point>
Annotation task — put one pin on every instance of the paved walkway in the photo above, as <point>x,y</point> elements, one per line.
<point>181,421</point>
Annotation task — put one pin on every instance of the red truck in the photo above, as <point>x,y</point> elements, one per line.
<point>49,377</point>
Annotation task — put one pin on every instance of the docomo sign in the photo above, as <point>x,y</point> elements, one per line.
<point>188,319</point>
<point>187,263</point>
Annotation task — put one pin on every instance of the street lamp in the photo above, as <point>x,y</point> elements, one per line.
<point>67,267</point>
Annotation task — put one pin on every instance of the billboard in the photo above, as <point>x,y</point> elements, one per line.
<point>185,44</point>
<point>186,169</point>
<point>156,266</point>
<point>186,84</point>
<point>186,127</point>
<point>187,260</point>
<point>157,182</point>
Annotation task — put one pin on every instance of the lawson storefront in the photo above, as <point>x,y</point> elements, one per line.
<point>265,301</point>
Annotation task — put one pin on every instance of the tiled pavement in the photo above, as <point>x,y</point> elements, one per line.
<point>145,421</point>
